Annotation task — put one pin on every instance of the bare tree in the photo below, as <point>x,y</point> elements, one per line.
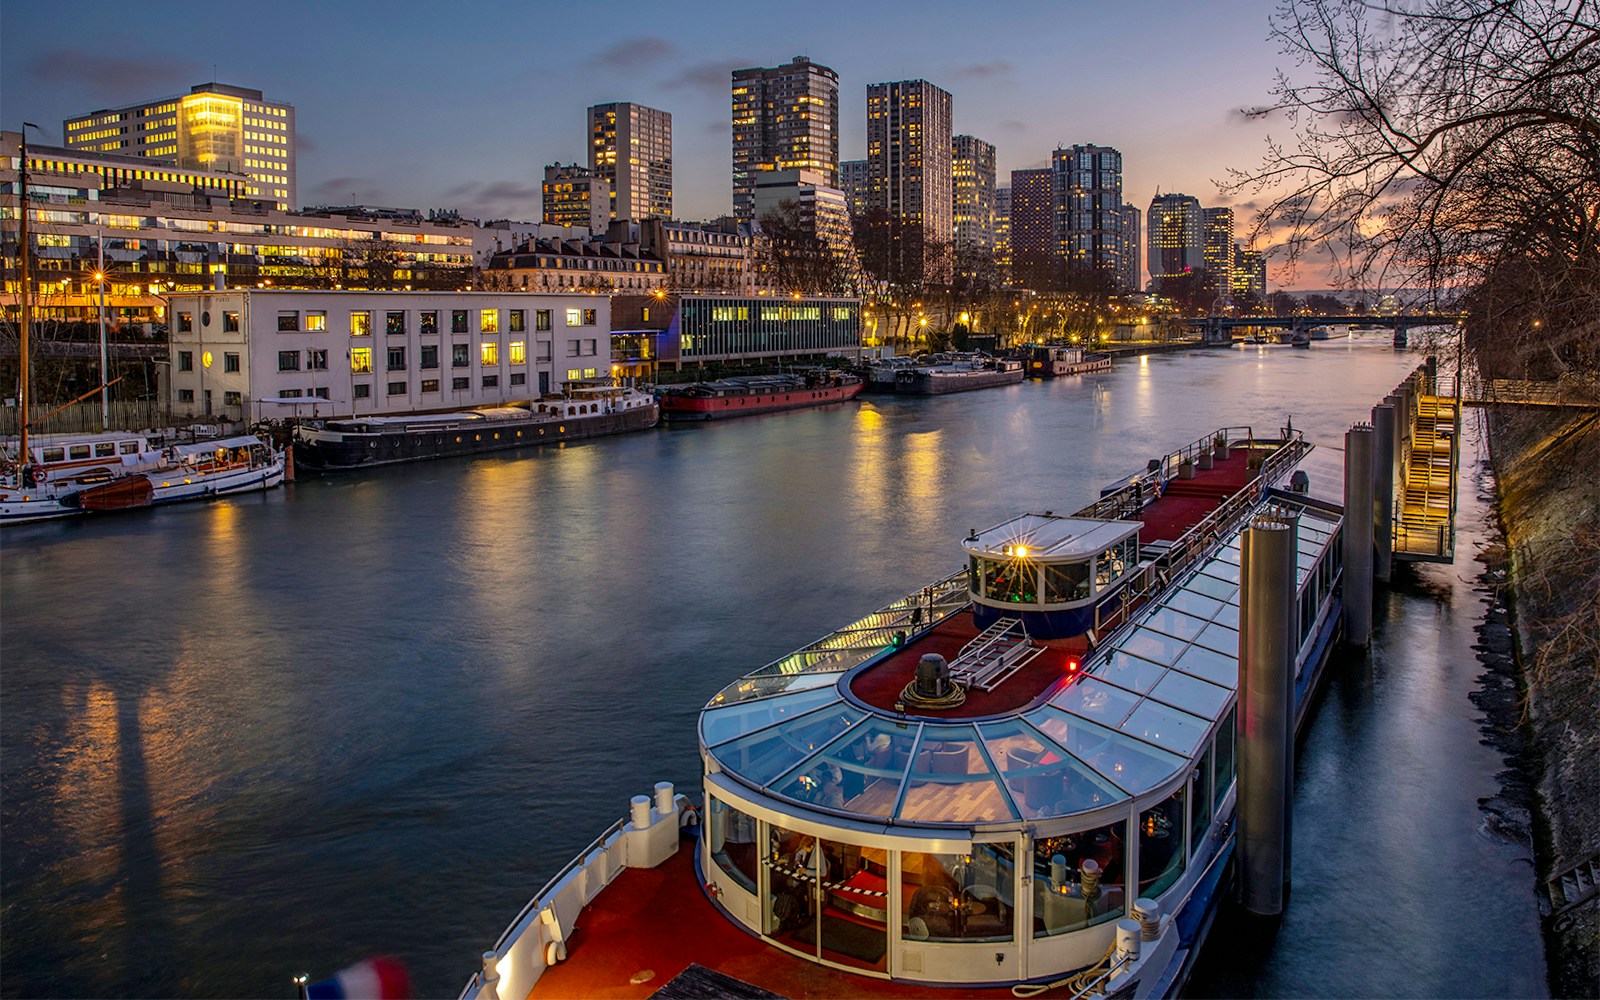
<point>1454,146</point>
<point>792,257</point>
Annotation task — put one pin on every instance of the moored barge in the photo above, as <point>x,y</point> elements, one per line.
<point>1019,776</point>
<point>960,375</point>
<point>1057,361</point>
<point>583,411</point>
<point>741,395</point>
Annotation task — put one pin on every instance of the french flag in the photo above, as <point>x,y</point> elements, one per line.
<point>374,979</point>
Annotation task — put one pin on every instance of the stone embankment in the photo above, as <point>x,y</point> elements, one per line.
<point>1547,464</point>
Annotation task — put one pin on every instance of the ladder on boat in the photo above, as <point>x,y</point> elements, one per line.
<point>998,652</point>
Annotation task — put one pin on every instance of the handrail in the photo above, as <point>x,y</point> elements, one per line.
<point>577,862</point>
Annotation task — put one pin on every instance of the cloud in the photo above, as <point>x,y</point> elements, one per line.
<point>721,128</point>
<point>305,144</point>
<point>632,53</point>
<point>494,199</point>
<point>709,78</point>
<point>115,76</point>
<point>347,191</point>
<point>983,71</point>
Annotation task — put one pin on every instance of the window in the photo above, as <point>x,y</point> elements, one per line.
<point>185,361</point>
<point>289,321</point>
<point>458,356</point>
<point>573,374</point>
<point>646,316</point>
<point>230,321</point>
<point>230,362</point>
<point>1078,880</point>
<point>361,360</point>
<point>317,360</point>
<point>397,388</point>
<point>590,317</point>
<point>316,320</point>
<point>519,352</point>
<point>430,385</point>
<point>519,378</point>
<point>397,359</point>
<point>361,324</point>
<point>489,352</point>
<point>318,391</point>
<point>429,323</point>
<point>288,361</point>
<point>363,391</point>
<point>1161,848</point>
<point>519,320</point>
<point>946,885</point>
<point>489,320</point>
<point>394,324</point>
<point>541,319</point>
<point>572,348</point>
<point>491,381</point>
<point>589,347</point>
<point>543,348</point>
<point>185,395</point>
<point>458,321</point>
<point>733,843</point>
<point>232,399</point>
<point>574,317</point>
<point>186,322</point>
<point>590,372</point>
<point>430,357</point>
<point>460,384</point>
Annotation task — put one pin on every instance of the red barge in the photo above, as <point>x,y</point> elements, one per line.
<point>739,396</point>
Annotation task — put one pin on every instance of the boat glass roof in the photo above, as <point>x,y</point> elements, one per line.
<point>1131,722</point>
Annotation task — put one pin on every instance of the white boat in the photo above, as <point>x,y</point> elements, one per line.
<point>61,465</point>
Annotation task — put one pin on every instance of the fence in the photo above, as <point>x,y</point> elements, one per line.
<point>84,418</point>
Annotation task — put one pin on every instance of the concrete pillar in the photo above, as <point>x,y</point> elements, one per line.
<point>1267,607</point>
<point>1383,485</point>
<point>1357,538</point>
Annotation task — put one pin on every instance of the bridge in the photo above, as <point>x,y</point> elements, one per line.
<point>1217,331</point>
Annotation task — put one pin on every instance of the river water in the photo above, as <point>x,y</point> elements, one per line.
<point>372,714</point>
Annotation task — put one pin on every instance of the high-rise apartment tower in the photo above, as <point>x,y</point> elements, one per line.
<point>1033,252</point>
<point>972,162</point>
<point>784,118</point>
<point>1175,229</point>
<point>1087,189</point>
<point>909,144</point>
<point>630,146</point>
<point>1219,250</point>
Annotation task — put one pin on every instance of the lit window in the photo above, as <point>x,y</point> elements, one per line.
<point>519,352</point>
<point>574,317</point>
<point>489,352</point>
<point>316,322</point>
<point>489,320</point>
<point>361,360</point>
<point>361,324</point>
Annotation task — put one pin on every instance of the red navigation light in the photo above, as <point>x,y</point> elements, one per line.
<point>1072,665</point>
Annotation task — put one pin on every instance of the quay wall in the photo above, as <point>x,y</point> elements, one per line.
<point>1547,464</point>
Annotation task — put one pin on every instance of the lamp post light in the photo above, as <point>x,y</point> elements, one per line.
<point>100,283</point>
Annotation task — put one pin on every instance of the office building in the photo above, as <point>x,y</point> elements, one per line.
<point>214,127</point>
<point>1219,250</point>
<point>572,196</point>
<point>1033,250</point>
<point>1087,188</point>
<point>1175,228</point>
<point>692,331</point>
<point>1132,249</point>
<point>1002,232</point>
<point>1249,273</point>
<point>822,211</point>
<point>630,148</point>
<point>972,165</point>
<point>784,118</point>
<point>909,143</point>
<point>855,180</point>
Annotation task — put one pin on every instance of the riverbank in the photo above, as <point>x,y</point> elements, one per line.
<point>1549,506</point>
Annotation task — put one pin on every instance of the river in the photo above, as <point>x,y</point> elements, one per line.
<point>373,713</point>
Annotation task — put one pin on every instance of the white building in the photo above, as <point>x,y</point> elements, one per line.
<point>252,355</point>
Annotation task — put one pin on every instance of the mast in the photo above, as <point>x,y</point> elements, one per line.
<point>24,261</point>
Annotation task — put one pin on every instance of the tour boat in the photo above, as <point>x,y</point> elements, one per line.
<point>583,411</point>
<point>961,374</point>
<point>1019,777</point>
<point>1055,361</point>
<point>60,465</point>
<point>741,395</point>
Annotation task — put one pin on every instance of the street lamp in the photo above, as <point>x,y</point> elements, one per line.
<point>100,283</point>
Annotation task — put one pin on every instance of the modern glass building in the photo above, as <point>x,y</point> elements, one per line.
<point>696,330</point>
<point>1087,189</point>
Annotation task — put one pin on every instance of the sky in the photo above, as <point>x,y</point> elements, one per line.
<point>461,105</point>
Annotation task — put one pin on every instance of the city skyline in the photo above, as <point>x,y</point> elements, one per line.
<point>1140,79</point>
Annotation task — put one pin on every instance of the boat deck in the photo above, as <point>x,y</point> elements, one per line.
<point>651,924</point>
<point>1185,502</point>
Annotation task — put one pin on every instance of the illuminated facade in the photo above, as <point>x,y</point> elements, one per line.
<point>1033,252</point>
<point>784,118</point>
<point>1219,250</point>
<point>1249,273</point>
<point>909,144</point>
<point>972,167</point>
<point>1002,231</point>
<point>693,330</point>
<point>572,196</point>
<point>1176,236</point>
<point>630,147</point>
<point>1132,277</point>
<point>214,127</point>
<point>250,355</point>
<point>855,182</point>
<point>1086,186</point>
<point>556,264</point>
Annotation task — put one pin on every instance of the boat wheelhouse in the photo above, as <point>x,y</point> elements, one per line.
<point>1004,777</point>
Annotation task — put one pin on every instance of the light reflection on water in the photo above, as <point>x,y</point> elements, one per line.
<point>373,713</point>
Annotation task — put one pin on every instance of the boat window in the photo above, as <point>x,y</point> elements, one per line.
<point>860,773</point>
<point>1161,853</point>
<point>105,449</point>
<point>128,447</point>
<point>1110,566</point>
<point>1066,582</point>
<point>766,685</point>
<point>1129,764</point>
<point>1043,779</point>
<point>772,752</point>
<point>733,843</point>
<point>1012,580</point>
<point>1195,604</point>
<point>1078,879</point>
<point>1179,626</point>
<point>959,897</point>
<point>1200,800</point>
<point>1153,645</point>
<point>1211,586</point>
<point>1132,672</point>
<point>1220,638</point>
<point>1190,694</point>
<point>721,724</point>
<point>1225,758</point>
<point>1167,727</point>
<point>951,782</point>
<point>53,454</point>
<point>1093,698</point>
<point>1210,665</point>
<point>77,451</point>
